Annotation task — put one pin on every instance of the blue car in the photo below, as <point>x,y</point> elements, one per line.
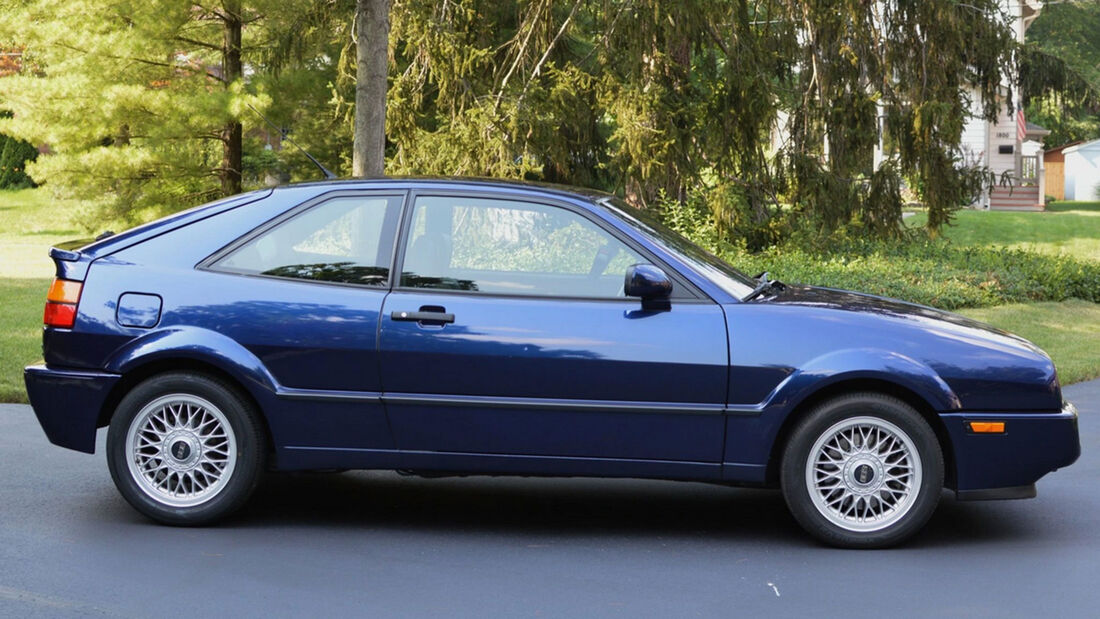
<point>477,327</point>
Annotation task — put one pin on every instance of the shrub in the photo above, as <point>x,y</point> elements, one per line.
<point>930,272</point>
<point>912,267</point>
<point>14,155</point>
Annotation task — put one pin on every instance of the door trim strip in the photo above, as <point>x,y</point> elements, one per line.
<point>410,399</point>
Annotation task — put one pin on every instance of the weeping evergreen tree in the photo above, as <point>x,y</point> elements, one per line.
<point>918,63</point>
<point>659,99</point>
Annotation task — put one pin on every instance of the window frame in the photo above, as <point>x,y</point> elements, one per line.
<point>689,291</point>
<point>210,263</point>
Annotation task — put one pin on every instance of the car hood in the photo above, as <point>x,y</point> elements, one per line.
<point>893,309</point>
<point>985,367</point>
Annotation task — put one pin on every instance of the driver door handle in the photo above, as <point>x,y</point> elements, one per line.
<point>441,318</point>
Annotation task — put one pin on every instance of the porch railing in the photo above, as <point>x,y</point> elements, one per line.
<point>1029,169</point>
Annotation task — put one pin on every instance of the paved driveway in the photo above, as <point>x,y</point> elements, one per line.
<point>375,544</point>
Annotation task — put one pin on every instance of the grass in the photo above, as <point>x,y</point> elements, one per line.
<point>30,222</point>
<point>1068,331</point>
<point>1066,228</point>
<point>20,332</point>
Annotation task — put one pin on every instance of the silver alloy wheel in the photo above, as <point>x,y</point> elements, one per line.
<point>863,474</point>
<point>181,450</point>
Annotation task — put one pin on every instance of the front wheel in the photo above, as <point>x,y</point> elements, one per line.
<point>862,471</point>
<point>185,449</point>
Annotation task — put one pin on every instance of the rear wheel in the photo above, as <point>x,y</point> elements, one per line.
<point>185,449</point>
<point>862,471</point>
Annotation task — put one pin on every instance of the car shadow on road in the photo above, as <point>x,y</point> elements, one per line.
<point>578,507</point>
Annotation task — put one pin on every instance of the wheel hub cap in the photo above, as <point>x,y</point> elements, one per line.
<point>180,450</point>
<point>863,474</point>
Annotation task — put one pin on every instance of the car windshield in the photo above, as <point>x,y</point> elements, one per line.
<point>705,263</point>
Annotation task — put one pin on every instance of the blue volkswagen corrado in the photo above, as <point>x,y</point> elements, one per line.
<point>476,327</point>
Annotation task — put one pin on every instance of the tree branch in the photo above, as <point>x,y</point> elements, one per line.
<point>549,48</point>
<point>146,61</point>
<point>519,56</point>
<point>199,43</point>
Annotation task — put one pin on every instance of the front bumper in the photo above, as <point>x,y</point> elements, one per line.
<point>67,403</point>
<point>1005,465</point>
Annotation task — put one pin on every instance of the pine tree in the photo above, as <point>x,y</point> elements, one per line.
<point>141,102</point>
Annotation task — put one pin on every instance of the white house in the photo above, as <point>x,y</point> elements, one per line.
<point>1082,171</point>
<point>1010,147</point>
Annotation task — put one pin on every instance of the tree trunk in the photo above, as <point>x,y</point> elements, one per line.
<point>372,24</point>
<point>231,71</point>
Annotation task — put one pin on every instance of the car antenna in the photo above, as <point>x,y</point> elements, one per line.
<point>285,134</point>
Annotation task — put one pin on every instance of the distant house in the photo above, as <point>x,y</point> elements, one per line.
<point>1009,146</point>
<point>1082,171</point>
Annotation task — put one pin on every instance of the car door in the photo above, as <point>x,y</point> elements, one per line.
<point>508,333</point>
<point>303,294</point>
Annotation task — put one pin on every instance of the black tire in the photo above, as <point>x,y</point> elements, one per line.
<point>231,426</point>
<point>862,482</point>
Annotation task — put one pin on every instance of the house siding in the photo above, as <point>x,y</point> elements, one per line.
<point>1082,171</point>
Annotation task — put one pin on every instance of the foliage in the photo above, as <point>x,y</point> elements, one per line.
<point>770,108</point>
<point>932,272</point>
<point>259,163</point>
<point>1067,30</point>
<point>1061,71</point>
<point>655,99</point>
<point>936,272</point>
<point>1066,123</point>
<point>15,154</point>
<point>137,101</point>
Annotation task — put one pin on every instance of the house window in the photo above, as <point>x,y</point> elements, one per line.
<point>1004,149</point>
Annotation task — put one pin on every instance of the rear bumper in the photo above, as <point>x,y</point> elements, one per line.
<point>67,403</point>
<point>994,466</point>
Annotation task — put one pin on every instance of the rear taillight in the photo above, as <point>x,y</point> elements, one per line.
<point>61,303</point>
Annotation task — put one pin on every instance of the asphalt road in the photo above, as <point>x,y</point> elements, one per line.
<point>375,544</point>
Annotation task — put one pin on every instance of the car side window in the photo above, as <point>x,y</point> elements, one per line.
<point>511,247</point>
<point>346,240</point>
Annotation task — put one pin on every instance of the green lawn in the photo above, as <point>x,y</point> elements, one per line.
<point>30,222</point>
<point>20,332</point>
<point>1065,228</point>
<point>1068,331</point>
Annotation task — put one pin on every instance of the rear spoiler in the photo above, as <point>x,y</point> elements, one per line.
<point>69,262</point>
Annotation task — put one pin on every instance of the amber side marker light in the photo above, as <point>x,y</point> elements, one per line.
<point>61,302</point>
<point>987,427</point>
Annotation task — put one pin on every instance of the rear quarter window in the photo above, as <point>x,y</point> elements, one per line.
<point>344,240</point>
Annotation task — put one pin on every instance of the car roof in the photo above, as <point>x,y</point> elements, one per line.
<point>459,181</point>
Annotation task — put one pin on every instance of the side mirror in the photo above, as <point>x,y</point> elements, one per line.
<point>650,283</point>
